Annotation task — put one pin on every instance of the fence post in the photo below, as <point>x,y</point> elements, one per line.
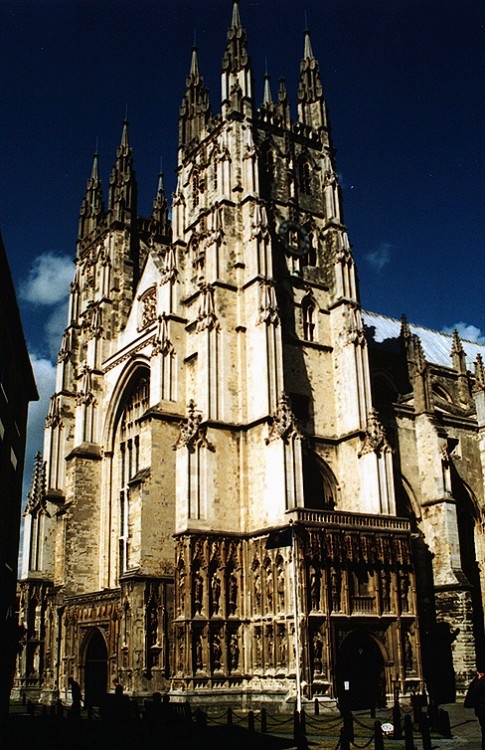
<point>251,722</point>
<point>229,717</point>
<point>296,724</point>
<point>349,725</point>
<point>425,733</point>
<point>378,737</point>
<point>264,721</point>
<point>396,720</point>
<point>344,740</point>
<point>302,721</point>
<point>416,704</point>
<point>444,726</point>
<point>317,707</point>
<point>408,733</point>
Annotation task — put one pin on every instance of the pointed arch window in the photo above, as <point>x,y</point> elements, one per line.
<point>195,188</point>
<point>129,445</point>
<point>304,175</point>
<point>319,483</point>
<point>267,168</point>
<point>308,309</point>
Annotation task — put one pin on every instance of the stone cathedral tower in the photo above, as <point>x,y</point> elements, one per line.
<point>220,508</point>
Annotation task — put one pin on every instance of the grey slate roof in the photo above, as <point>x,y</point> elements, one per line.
<point>436,345</point>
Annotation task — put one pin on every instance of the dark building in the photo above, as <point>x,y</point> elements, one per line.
<point>17,388</point>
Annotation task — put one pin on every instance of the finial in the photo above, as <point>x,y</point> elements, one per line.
<point>308,52</point>
<point>306,21</point>
<point>236,19</point>
<point>405,329</point>
<point>195,37</point>
<point>96,150</point>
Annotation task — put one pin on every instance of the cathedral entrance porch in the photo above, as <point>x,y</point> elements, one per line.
<point>95,668</point>
<point>360,673</point>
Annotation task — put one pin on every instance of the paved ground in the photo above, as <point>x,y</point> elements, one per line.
<point>464,728</point>
<point>22,732</point>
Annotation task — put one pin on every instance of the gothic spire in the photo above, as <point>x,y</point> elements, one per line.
<point>237,84</point>
<point>311,104</point>
<point>267,98</point>
<point>195,111</point>
<point>92,214</point>
<point>457,353</point>
<point>479,374</point>
<point>36,496</point>
<point>123,193</point>
<point>160,219</point>
<point>283,106</point>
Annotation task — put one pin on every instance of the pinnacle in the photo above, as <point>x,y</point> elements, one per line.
<point>308,51</point>
<point>194,65</point>
<point>95,168</point>
<point>236,18</point>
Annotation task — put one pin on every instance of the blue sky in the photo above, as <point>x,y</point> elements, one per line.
<point>404,82</point>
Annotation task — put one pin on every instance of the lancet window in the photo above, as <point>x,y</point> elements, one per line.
<point>304,175</point>
<point>308,317</point>
<point>129,459</point>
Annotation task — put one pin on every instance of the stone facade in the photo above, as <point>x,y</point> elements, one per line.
<point>243,489</point>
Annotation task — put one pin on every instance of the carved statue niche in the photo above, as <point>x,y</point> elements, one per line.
<point>335,589</point>
<point>269,651</point>
<point>181,588</point>
<point>386,590</point>
<point>256,568</point>
<point>215,588</point>
<point>408,651</point>
<point>404,584</point>
<point>234,652</point>
<point>198,651</point>
<point>232,593</point>
<point>315,588</point>
<point>317,646</point>
<point>216,652</point>
<point>197,592</point>
<point>180,641</point>
<point>258,649</point>
<point>282,650</point>
<point>280,583</point>
<point>269,584</point>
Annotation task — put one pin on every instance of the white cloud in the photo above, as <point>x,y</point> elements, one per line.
<point>48,279</point>
<point>380,257</point>
<point>467,332</point>
<point>54,327</point>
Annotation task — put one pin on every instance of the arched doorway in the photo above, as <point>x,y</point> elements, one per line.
<point>360,672</point>
<point>95,669</point>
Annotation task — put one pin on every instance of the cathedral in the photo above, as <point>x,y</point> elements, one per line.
<point>250,488</point>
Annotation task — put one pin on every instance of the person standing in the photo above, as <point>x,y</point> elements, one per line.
<point>475,698</point>
<point>76,698</point>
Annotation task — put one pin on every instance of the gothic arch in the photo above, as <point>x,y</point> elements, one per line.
<point>309,317</point>
<point>94,660</point>
<point>360,674</point>
<point>384,390</point>
<point>126,380</point>
<point>267,167</point>
<point>320,487</point>
<point>468,518</point>
<point>304,170</point>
